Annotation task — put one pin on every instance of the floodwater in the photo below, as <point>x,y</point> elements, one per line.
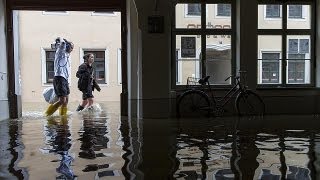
<point>100,144</point>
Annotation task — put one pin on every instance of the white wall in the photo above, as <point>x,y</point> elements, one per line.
<point>4,107</point>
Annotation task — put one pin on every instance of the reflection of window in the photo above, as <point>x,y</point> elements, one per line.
<point>49,66</point>
<point>99,65</point>
<point>270,67</point>
<point>224,10</point>
<point>272,11</point>
<point>194,9</point>
<point>295,11</point>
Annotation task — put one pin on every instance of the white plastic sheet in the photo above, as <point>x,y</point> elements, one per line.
<point>49,95</point>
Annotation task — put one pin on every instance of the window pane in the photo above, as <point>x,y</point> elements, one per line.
<point>269,59</point>
<point>50,55</point>
<point>273,11</point>
<point>223,9</point>
<point>188,57</point>
<point>295,11</point>
<point>218,58</point>
<point>299,16</point>
<point>218,16</point>
<point>269,17</point>
<point>188,16</point>
<point>298,59</point>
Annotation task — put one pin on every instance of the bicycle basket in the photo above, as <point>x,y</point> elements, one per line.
<point>193,82</point>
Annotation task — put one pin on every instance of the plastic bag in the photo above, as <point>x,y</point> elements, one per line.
<point>49,95</point>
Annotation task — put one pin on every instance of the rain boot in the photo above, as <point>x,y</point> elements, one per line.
<point>63,110</point>
<point>51,109</point>
<point>80,108</point>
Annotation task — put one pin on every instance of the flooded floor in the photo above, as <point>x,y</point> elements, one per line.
<point>100,144</point>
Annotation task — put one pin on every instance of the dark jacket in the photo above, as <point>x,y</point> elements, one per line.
<point>85,74</point>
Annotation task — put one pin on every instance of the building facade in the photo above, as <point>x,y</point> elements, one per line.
<point>95,32</point>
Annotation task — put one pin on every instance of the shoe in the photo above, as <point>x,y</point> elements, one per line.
<point>80,108</point>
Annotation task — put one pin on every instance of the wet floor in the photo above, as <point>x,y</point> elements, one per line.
<point>101,144</point>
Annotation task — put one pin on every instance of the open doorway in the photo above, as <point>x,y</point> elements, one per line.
<point>97,32</point>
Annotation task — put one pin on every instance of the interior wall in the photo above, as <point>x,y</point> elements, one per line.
<point>4,107</point>
<point>155,59</point>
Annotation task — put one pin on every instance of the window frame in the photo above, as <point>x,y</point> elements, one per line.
<point>106,62</point>
<point>44,67</point>
<point>284,32</point>
<point>260,66</point>
<point>202,32</point>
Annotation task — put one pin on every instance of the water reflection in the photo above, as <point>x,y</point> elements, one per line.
<point>102,145</point>
<point>58,141</point>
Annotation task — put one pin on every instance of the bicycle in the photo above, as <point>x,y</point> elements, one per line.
<point>197,102</point>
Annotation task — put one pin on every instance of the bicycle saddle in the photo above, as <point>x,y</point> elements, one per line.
<point>204,80</point>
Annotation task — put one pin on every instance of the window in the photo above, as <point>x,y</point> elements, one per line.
<point>49,66</point>
<point>223,9</point>
<point>194,9</point>
<point>295,11</point>
<point>270,67</point>
<point>202,45</point>
<point>99,65</point>
<point>272,11</point>
<point>285,53</point>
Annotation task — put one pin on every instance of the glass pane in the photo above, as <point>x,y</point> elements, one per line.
<point>269,59</point>
<point>188,16</point>
<point>269,16</point>
<point>218,16</point>
<point>298,59</point>
<point>188,57</point>
<point>299,16</point>
<point>50,55</point>
<point>218,58</point>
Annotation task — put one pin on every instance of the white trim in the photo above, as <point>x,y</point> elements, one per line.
<point>111,13</point>
<point>55,13</point>
<point>106,60</point>
<point>119,66</point>
<point>271,18</point>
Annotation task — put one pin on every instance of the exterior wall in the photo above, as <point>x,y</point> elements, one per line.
<point>4,106</point>
<point>87,31</point>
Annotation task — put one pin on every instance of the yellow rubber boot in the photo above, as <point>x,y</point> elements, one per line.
<point>63,110</point>
<point>51,109</point>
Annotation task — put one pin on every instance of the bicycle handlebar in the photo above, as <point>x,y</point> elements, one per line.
<point>235,77</point>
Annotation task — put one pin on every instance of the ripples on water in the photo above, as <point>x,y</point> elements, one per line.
<point>99,144</point>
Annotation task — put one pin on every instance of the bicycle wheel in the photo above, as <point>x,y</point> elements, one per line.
<point>249,103</point>
<point>193,103</point>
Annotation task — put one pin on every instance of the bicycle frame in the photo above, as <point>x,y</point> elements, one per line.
<point>233,92</point>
